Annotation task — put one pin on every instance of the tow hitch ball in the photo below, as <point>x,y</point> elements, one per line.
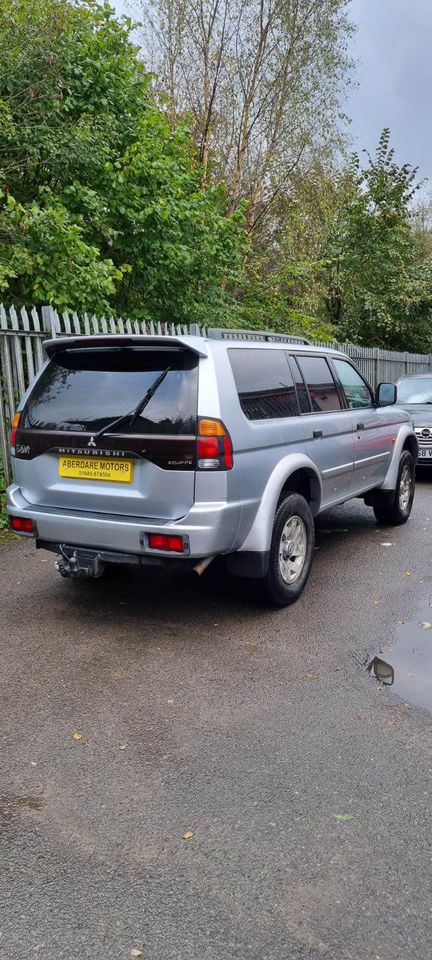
<point>79,565</point>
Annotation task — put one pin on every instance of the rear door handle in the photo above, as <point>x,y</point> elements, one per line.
<point>360,426</point>
<point>317,434</point>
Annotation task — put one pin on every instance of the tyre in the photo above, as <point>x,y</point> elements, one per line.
<point>394,509</point>
<point>291,552</point>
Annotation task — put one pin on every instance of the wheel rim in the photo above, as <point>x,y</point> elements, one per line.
<point>292,550</point>
<point>405,487</point>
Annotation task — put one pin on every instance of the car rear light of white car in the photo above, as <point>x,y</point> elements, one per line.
<point>214,447</point>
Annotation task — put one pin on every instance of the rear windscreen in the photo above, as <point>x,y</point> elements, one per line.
<point>85,390</point>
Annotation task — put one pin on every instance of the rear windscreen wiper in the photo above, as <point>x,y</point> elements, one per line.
<point>133,414</point>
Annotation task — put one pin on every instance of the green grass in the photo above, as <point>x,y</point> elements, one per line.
<point>6,535</point>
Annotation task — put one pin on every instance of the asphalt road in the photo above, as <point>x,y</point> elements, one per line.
<point>254,730</point>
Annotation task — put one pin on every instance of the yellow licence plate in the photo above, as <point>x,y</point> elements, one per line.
<point>96,468</point>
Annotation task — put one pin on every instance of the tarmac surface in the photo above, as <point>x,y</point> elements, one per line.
<point>138,709</point>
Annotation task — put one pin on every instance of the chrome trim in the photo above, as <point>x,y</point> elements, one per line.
<point>335,471</point>
<point>359,464</point>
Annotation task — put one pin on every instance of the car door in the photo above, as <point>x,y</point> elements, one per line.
<point>328,427</point>
<point>373,427</point>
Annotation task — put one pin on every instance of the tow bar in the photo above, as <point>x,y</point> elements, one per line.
<point>79,564</point>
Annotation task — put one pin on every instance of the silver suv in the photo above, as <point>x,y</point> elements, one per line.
<point>147,449</point>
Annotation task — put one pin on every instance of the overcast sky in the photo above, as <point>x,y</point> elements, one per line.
<point>393,47</point>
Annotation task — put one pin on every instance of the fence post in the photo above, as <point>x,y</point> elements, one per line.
<point>49,320</point>
<point>194,330</point>
<point>377,358</point>
<point>406,361</point>
<point>4,438</point>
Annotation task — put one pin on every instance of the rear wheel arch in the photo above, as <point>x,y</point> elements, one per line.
<point>305,482</point>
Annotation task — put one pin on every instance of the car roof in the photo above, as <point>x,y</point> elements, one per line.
<point>199,345</point>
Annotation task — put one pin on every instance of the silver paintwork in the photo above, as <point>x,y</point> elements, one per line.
<point>221,512</point>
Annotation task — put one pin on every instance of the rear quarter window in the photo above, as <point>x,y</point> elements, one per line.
<point>84,390</point>
<point>264,383</point>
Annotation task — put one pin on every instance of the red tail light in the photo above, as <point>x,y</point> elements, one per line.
<point>166,541</point>
<point>214,447</point>
<point>208,447</point>
<point>228,453</point>
<point>22,525</point>
<point>14,427</point>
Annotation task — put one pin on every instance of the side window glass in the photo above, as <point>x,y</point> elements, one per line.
<point>355,388</point>
<point>264,383</point>
<point>321,385</point>
<point>302,394</point>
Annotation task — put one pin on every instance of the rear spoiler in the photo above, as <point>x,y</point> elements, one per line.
<point>195,344</point>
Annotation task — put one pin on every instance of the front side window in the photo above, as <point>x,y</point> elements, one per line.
<point>356,390</point>
<point>86,389</point>
<point>417,390</point>
<point>322,388</point>
<point>264,383</point>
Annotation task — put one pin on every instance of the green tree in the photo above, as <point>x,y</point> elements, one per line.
<point>101,204</point>
<point>377,277</point>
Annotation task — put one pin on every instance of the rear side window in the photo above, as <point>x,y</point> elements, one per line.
<point>302,394</point>
<point>264,384</point>
<point>84,390</point>
<point>320,383</point>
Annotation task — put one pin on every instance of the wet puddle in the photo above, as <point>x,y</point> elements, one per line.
<point>406,664</point>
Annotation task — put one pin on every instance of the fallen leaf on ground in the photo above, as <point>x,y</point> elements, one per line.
<point>401,621</point>
<point>408,573</point>
<point>310,676</point>
<point>136,953</point>
<point>77,735</point>
<point>251,646</point>
<point>377,603</point>
<point>33,763</point>
<point>344,816</point>
<point>387,544</point>
<point>123,746</point>
<point>188,835</point>
<point>170,701</point>
<point>425,625</point>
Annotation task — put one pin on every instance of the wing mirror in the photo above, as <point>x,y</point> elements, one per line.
<point>385,395</point>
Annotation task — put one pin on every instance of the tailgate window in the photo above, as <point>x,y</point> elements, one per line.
<point>84,390</point>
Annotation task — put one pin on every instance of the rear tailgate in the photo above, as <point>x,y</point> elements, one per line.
<point>144,469</point>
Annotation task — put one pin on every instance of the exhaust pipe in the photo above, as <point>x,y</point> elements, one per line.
<point>203,564</point>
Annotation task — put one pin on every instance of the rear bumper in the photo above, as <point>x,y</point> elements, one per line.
<point>209,527</point>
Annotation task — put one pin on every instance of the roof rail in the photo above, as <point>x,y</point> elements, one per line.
<point>264,336</point>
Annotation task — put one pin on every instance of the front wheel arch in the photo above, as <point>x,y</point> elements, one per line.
<point>394,508</point>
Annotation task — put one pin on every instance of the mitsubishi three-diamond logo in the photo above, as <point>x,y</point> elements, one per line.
<point>91,442</point>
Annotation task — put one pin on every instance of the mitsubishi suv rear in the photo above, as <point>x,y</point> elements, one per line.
<point>130,449</point>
